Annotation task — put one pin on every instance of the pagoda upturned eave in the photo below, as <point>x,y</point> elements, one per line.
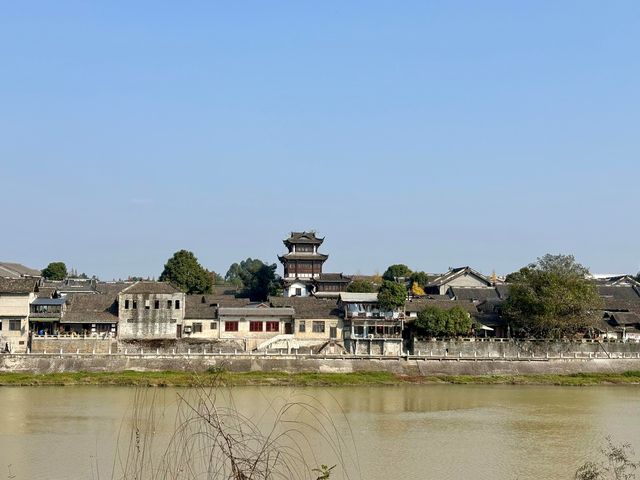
<point>302,256</point>
<point>306,238</point>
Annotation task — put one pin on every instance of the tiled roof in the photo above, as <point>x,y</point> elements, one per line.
<point>98,308</point>
<point>625,318</point>
<point>303,237</point>
<point>479,294</point>
<point>157,288</point>
<point>308,307</point>
<point>112,288</point>
<point>419,304</point>
<point>455,273</point>
<point>503,290</point>
<point>200,307</point>
<point>302,256</point>
<point>332,277</point>
<point>17,285</point>
<point>17,270</point>
<point>45,292</point>
<point>623,297</point>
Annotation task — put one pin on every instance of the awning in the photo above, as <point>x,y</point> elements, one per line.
<point>484,327</point>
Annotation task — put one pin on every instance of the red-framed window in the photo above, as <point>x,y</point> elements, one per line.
<point>273,326</point>
<point>230,326</point>
<point>255,326</point>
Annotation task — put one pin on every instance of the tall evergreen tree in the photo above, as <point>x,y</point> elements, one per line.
<point>55,271</point>
<point>184,271</point>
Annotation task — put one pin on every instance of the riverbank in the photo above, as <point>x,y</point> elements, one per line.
<point>223,378</point>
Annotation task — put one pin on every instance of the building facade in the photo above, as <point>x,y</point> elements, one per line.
<point>149,310</point>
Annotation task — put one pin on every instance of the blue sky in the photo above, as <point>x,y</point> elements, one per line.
<point>434,134</point>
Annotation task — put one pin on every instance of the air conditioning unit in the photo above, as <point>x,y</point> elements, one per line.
<point>370,336</point>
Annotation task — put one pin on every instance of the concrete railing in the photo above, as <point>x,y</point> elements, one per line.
<point>419,356</point>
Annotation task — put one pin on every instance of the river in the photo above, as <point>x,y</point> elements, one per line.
<point>408,432</point>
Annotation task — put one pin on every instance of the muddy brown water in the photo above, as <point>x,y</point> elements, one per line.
<point>407,432</point>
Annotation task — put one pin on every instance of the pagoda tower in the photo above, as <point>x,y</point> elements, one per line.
<point>302,263</point>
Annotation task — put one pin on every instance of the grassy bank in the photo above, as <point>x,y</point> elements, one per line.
<point>186,379</point>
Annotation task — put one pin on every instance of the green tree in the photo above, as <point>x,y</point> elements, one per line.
<point>552,298</point>
<point>396,271</point>
<point>184,271</point>
<point>391,295</point>
<point>458,322</point>
<point>361,286</point>
<point>438,322</point>
<point>55,271</point>
<point>432,321</point>
<point>419,278</point>
<point>256,279</point>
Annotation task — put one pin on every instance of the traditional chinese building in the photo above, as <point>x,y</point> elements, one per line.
<point>302,263</point>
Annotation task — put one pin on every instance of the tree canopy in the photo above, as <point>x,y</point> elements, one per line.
<point>361,286</point>
<point>184,271</point>
<point>255,279</point>
<point>55,271</point>
<point>391,295</point>
<point>552,298</point>
<point>438,322</point>
<point>419,278</point>
<point>396,271</point>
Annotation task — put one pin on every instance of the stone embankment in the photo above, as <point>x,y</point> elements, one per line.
<point>244,362</point>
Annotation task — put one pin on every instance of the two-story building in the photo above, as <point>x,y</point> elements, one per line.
<point>150,310</point>
<point>368,329</point>
<point>16,294</point>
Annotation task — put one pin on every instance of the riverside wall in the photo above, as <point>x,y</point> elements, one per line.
<point>513,348</point>
<point>407,365</point>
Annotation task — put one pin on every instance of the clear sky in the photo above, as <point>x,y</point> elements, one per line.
<point>434,134</point>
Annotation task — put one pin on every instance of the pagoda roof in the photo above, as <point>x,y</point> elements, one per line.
<point>332,277</point>
<point>302,256</point>
<point>303,237</point>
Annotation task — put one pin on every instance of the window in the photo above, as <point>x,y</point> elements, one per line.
<point>301,326</point>
<point>318,327</point>
<point>147,306</point>
<point>255,326</point>
<point>273,326</point>
<point>156,304</point>
<point>0,325</point>
<point>214,326</point>
<point>298,292</point>
<point>196,327</point>
<point>15,325</point>
<point>169,302</point>
<point>135,305</point>
<point>230,326</point>
<point>333,332</point>
<point>126,304</point>
<point>177,304</point>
